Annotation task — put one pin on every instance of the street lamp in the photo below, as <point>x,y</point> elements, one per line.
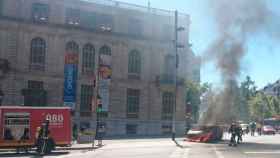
<point>176,46</point>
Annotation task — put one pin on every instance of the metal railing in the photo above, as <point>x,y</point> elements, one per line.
<point>146,9</point>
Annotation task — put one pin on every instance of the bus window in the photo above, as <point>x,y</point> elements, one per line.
<point>17,126</point>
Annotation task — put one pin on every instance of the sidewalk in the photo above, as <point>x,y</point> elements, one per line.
<point>72,147</point>
<point>109,143</point>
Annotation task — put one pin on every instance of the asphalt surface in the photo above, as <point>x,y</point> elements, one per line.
<point>252,147</point>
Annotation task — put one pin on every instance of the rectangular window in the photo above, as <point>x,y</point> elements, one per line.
<point>40,12</point>
<point>167,105</point>
<point>131,129</point>
<point>135,27</point>
<point>133,99</point>
<point>16,126</point>
<point>35,84</point>
<point>86,100</point>
<point>73,16</point>
<point>35,95</point>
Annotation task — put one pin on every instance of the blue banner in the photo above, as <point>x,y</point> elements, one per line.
<point>70,80</point>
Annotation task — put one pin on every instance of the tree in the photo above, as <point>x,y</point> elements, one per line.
<point>263,106</point>
<point>246,92</point>
<point>193,93</point>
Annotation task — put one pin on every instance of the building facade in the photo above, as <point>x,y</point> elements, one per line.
<point>64,53</point>
<point>272,89</point>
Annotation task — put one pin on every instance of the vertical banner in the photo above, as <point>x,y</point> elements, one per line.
<point>104,74</point>
<point>70,79</point>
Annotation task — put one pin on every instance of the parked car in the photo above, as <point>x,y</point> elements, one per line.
<point>268,130</point>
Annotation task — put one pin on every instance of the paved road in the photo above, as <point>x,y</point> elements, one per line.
<point>253,147</point>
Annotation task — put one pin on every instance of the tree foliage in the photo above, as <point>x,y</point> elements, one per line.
<point>193,93</point>
<point>264,106</point>
<point>247,90</point>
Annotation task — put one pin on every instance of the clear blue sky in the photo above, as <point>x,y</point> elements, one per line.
<point>262,61</point>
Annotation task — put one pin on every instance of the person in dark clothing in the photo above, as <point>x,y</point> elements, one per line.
<point>239,134</point>
<point>25,135</point>
<point>8,134</point>
<point>45,144</point>
<point>253,128</point>
<point>233,130</point>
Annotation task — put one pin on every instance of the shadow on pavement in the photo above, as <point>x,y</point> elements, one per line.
<point>179,145</point>
<point>31,154</point>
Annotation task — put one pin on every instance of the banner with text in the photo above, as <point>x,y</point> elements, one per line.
<point>70,79</point>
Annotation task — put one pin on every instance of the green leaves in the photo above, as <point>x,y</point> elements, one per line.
<point>264,106</point>
<point>193,92</point>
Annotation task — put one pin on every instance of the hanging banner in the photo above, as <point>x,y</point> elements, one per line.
<point>103,91</point>
<point>70,79</point>
<point>104,74</point>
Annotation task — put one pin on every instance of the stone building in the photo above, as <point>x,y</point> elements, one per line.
<point>56,46</point>
<point>272,89</point>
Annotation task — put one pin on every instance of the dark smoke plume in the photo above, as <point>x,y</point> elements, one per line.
<point>237,21</point>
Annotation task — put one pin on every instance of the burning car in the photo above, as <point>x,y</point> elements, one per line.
<point>205,133</point>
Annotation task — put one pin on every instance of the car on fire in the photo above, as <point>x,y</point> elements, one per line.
<point>205,133</point>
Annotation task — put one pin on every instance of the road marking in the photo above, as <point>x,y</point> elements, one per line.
<point>186,153</point>
<point>177,153</point>
<point>262,152</point>
<point>180,153</point>
<point>218,153</point>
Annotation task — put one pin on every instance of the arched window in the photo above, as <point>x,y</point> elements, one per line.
<point>105,59</point>
<point>38,54</point>
<point>105,50</point>
<point>134,63</point>
<point>72,47</point>
<point>167,105</point>
<point>88,62</point>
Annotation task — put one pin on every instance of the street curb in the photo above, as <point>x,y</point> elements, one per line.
<point>79,148</point>
<point>57,149</point>
<point>76,148</point>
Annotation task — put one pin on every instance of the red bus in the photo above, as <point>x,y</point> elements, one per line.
<point>19,125</point>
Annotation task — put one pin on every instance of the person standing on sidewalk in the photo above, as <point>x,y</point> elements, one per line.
<point>259,129</point>
<point>253,128</point>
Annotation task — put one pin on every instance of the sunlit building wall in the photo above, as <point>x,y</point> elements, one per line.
<point>37,35</point>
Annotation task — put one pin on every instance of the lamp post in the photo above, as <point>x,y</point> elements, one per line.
<point>176,46</point>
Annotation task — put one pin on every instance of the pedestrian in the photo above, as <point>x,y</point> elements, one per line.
<point>233,132</point>
<point>253,128</point>
<point>239,134</point>
<point>259,129</point>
